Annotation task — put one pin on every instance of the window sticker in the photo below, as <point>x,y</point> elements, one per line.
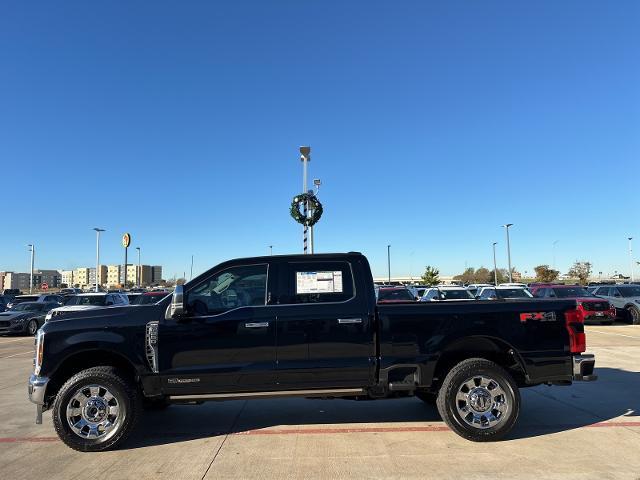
<point>318,282</point>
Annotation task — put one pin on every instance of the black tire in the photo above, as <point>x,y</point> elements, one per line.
<point>151,404</point>
<point>122,390</point>
<point>633,314</point>
<point>428,397</point>
<point>32,327</point>
<point>469,371</point>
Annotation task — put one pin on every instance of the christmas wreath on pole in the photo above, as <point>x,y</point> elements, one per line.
<point>313,204</point>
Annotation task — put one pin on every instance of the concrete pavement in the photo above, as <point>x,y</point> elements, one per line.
<point>587,431</point>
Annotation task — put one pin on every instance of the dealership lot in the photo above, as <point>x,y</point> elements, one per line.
<point>590,430</point>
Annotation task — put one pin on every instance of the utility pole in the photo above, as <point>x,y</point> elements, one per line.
<point>495,268</point>
<point>389,263</point>
<point>305,158</point>
<point>32,249</point>
<point>98,230</point>
<point>506,226</point>
<point>139,272</point>
<point>631,259</point>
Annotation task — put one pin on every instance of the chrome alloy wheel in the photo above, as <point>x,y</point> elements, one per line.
<point>481,402</point>
<point>93,412</point>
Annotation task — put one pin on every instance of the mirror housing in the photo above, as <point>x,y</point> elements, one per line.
<point>176,309</point>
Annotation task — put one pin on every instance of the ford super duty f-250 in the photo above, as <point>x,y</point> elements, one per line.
<point>304,326</point>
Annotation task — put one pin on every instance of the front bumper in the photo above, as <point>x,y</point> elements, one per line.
<point>13,327</point>
<point>37,391</point>
<point>583,366</point>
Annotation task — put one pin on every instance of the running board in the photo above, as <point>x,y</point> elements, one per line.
<point>338,392</point>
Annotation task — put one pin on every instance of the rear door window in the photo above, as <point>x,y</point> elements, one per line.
<point>318,282</point>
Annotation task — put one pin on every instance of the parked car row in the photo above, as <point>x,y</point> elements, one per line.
<point>24,314</point>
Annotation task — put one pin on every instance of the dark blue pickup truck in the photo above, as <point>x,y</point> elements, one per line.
<point>300,325</point>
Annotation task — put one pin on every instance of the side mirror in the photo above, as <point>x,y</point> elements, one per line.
<point>176,309</point>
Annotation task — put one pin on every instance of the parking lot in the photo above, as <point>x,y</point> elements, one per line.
<point>589,430</point>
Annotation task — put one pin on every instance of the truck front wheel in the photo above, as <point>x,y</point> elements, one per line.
<point>479,400</point>
<point>96,410</point>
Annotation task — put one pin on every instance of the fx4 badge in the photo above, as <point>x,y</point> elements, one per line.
<point>183,380</point>
<point>538,316</point>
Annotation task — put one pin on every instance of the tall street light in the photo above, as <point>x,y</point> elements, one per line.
<point>32,249</point>
<point>495,267</point>
<point>555,242</point>
<point>631,259</point>
<point>270,249</point>
<point>98,230</point>
<point>191,274</point>
<point>389,262</point>
<point>139,272</point>
<point>506,226</point>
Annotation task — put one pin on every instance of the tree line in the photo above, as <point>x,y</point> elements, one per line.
<point>581,270</point>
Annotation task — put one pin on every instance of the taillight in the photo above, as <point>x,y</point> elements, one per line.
<point>575,326</point>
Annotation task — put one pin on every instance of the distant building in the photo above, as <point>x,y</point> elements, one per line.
<point>81,277</point>
<point>53,278</point>
<point>67,277</point>
<point>17,280</point>
<point>113,275</point>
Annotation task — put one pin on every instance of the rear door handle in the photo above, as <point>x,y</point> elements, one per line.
<point>256,324</point>
<point>349,320</point>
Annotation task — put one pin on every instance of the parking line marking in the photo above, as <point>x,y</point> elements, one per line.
<point>16,354</point>
<point>616,334</point>
<point>30,339</point>
<point>320,431</point>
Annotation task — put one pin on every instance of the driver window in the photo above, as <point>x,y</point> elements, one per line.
<point>241,286</point>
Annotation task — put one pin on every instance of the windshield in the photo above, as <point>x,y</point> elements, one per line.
<point>87,300</point>
<point>399,294</point>
<point>630,291</point>
<point>455,294</point>
<point>571,292</point>
<point>512,293</point>
<point>146,299</point>
<point>27,307</point>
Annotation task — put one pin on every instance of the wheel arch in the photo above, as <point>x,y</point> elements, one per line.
<point>480,346</point>
<point>81,360</point>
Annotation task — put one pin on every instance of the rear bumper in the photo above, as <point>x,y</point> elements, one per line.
<point>583,366</point>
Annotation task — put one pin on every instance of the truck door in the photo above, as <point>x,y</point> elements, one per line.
<point>324,333</point>
<point>226,340</point>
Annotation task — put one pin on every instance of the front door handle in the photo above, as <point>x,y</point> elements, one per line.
<point>256,324</point>
<point>349,320</point>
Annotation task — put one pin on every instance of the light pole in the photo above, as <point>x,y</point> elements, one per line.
<point>317,183</point>
<point>270,249</point>
<point>32,249</point>
<point>98,230</point>
<point>191,274</point>
<point>389,263</point>
<point>506,226</point>
<point>631,259</point>
<point>139,272</point>
<point>495,268</point>
<point>554,253</point>
<point>305,158</point>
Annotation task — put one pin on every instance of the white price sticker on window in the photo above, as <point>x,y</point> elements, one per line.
<point>318,282</point>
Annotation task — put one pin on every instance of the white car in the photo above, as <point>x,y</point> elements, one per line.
<point>625,299</point>
<point>89,301</point>
<point>503,293</point>
<point>513,284</point>
<point>446,292</point>
<point>475,288</point>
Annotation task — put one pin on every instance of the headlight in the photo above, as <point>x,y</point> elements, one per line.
<point>39,352</point>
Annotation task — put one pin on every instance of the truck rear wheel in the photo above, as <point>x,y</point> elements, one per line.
<point>634,315</point>
<point>96,410</point>
<point>479,400</point>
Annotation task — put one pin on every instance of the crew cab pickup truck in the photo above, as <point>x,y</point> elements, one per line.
<point>300,325</point>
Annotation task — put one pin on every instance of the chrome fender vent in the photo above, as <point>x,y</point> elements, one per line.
<point>151,345</point>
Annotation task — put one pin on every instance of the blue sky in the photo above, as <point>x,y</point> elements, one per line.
<point>431,124</point>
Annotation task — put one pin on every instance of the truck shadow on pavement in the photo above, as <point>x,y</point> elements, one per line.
<point>545,410</point>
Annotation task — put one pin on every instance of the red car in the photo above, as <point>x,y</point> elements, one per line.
<point>592,307</point>
<point>394,295</point>
<point>149,297</point>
